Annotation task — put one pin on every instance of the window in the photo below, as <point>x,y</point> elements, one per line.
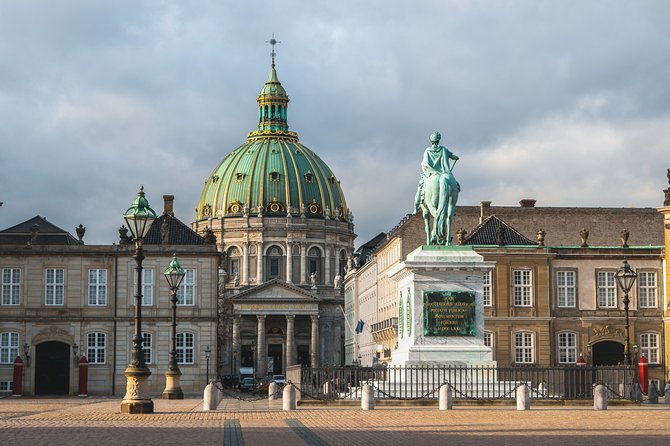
<point>565,289</point>
<point>6,386</point>
<point>606,289</point>
<point>96,344</point>
<point>55,286</point>
<point>649,347</point>
<point>233,262</point>
<point>273,262</point>
<point>11,286</point>
<point>185,348</point>
<point>186,291</point>
<point>646,289</point>
<point>147,287</point>
<point>146,347</point>
<point>488,339</point>
<point>523,346</point>
<point>97,287</point>
<point>487,289</point>
<point>522,287</point>
<point>314,263</point>
<point>9,347</point>
<point>567,348</point>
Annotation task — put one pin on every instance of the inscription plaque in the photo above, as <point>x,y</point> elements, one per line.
<point>449,313</point>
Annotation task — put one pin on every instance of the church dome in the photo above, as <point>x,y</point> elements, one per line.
<point>272,173</point>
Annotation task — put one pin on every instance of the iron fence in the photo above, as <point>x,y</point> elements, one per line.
<point>467,382</point>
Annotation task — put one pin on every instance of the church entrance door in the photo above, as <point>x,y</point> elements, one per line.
<point>52,368</point>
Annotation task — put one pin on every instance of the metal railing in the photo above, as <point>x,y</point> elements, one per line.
<point>467,382</point>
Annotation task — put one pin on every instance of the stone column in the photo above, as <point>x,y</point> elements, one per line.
<point>245,263</point>
<point>303,264</point>
<point>259,263</point>
<point>337,260</point>
<point>327,280</point>
<point>314,346</point>
<point>289,262</point>
<point>290,341</point>
<point>261,360</point>
<point>236,345</point>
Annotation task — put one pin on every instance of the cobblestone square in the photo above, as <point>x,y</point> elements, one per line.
<point>73,421</point>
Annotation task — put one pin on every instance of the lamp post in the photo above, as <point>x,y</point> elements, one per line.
<point>625,277</point>
<point>174,274</point>
<point>139,218</point>
<point>208,354</point>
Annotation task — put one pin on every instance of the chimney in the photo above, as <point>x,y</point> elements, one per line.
<point>527,203</point>
<point>485,208</point>
<point>168,205</point>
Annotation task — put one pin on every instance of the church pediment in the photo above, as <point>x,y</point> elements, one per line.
<point>275,297</point>
<point>274,291</point>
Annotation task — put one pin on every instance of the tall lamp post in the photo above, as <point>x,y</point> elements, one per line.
<point>625,277</point>
<point>208,354</point>
<point>174,274</point>
<point>139,218</point>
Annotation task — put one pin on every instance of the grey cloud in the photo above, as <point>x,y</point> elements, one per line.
<point>541,98</point>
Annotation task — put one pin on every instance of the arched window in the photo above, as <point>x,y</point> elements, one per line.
<point>343,262</point>
<point>273,261</point>
<point>314,263</point>
<point>233,263</point>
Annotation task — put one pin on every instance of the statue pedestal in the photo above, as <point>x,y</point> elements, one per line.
<point>440,308</point>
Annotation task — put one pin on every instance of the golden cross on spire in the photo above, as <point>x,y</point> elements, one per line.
<point>273,42</point>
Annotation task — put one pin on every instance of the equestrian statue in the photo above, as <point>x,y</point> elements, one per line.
<point>437,193</point>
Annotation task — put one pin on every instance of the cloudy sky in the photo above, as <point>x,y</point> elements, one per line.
<point>563,101</point>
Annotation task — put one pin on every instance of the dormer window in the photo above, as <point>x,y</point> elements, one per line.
<point>309,177</point>
<point>332,180</point>
<point>239,177</point>
<point>274,176</point>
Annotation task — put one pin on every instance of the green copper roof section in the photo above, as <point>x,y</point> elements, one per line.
<point>273,170</point>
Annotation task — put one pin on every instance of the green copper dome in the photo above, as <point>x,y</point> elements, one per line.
<point>272,170</point>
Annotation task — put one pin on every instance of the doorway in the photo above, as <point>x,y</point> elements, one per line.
<point>303,355</point>
<point>275,366</point>
<point>608,353</point>
<point>52,368</point>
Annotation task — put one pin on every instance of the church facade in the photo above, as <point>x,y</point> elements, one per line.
<point>283,226</point>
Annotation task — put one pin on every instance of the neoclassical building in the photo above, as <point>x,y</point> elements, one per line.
<point>61,299</point>
<point>285,231</point>
<point>552,294</point>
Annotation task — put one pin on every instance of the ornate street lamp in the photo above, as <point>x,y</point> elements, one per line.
<point>174,274</point>
<point>139,218</point>
<point>625,277</point>
<point>208,354</point>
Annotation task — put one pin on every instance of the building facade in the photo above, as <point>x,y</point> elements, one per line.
<point>552,295</point>
<point>62,299</point>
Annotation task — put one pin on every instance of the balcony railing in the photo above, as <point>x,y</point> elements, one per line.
<point>385,324</point>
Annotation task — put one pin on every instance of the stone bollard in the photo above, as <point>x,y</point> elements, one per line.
<point>210,398</point>
<point>666,392</point>
<point>327,388</point>
<point>522,397</point>
<point>637,392</point>
<point>600,397</point>
<point>288,397</point>
<point>653,393</point>
<point>272,391</point>
<point>368,397</point>
<point>446,402</point>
